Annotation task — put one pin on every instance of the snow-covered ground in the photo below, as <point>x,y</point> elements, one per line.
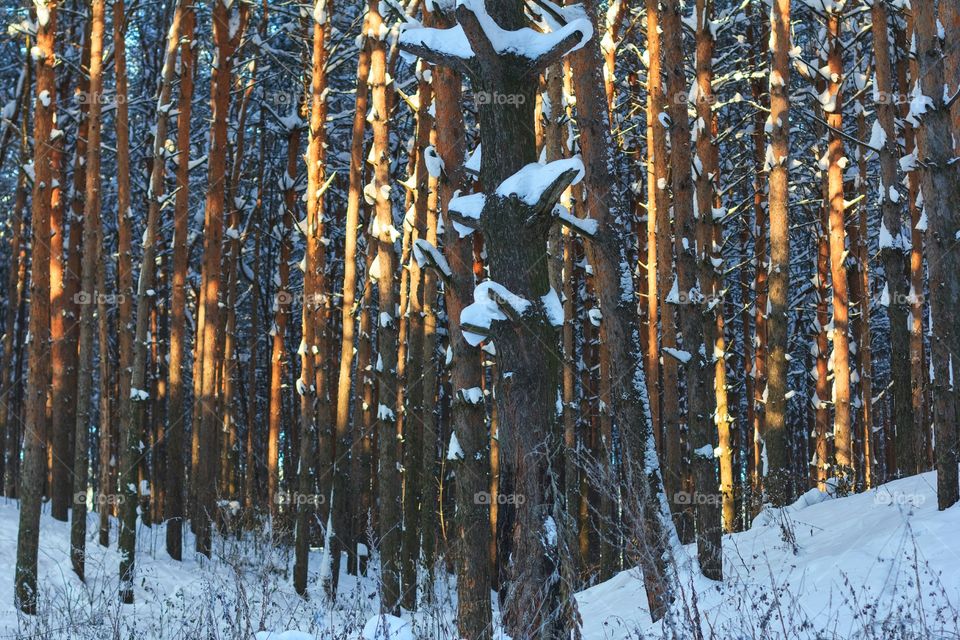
<point>883,564</point>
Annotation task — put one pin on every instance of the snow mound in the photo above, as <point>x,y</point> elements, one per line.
<point>824,566</point>
<point>386,627</point>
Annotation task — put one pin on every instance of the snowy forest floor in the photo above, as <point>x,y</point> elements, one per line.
<point>882,564</point>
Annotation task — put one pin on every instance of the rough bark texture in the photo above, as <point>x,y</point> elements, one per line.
<point>710,517</point>
<point>657,213</point>
<point>125,284</point>
<point>414,420</point>
<point>314,402</point>
<point>347,530</point>
<point>38,366</point>
<point>774,434</point>
<point>670,426</point>
<point>842,420</point>
<point>383,235</point>
<point>282,300</point>
<point>941,190</point>
<point>16,281</point>
<point>608,254</point>
<point>64,281</point>
<point>134,404</point>
<point>89,296</point>
<point>472,533</point>
<point>177,417</point>
<point>691,302</point>
<point>892,257</point>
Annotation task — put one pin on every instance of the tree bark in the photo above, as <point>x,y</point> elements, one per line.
<point>63,308</point>
<point>941,190</point>
<point>314,401</point>
<point>89,296</point>
<point>419,360</point>
<point>842,433</point>
<point>689,289</point>
<point>176,416</point>
<point>384,235</point>
<point>16,281</point>
<point>38,366</point>
<point>774,435</point>
<point>134,404</point>
<point>472,535</point>
<point>346,525</point>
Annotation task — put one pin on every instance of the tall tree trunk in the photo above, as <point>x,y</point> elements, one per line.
<point>842,433</point>
<point>515,237</point>
<point>472,527</point>
<point>859,278</point>
<point>941,196</point>
<point>133,406</point>
<point>429,489</point>
<point>670,381</point>
<point>228,29</point>
<point>63,308</point>
<point>363,480</point>
<point>657,216</point>
<point>821,409</point>
<point>384,235</point>
<point>347,531</point>
<point>711,518</point>
<point>106,491</point>
<point>919,370</point>
<point>414,418</point>
<point>38,367</point>
<point>774,438</point>
<point>89,297</point>
<point>314,401</point>
<point>757,381</point>
<point>177,417</point>
<point>281,308</point>
<point>16,280</point>
<point>688,287</point>
<point>125,286</point>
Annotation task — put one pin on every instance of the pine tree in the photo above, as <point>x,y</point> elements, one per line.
<point>941,191</point>
<point>91,258</point>
<point>38,367</point>
<point>774,434</point>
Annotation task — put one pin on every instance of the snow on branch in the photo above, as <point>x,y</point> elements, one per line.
<point>535,181</point>
<point>585,226</point>
<point>472,165</point>
<point>542,49</point>
<point>491,302</point>
<point>428,255</point>
<point>539,186</point>
<point>465,212</point>
<point>447,47</point>
<point>478,40</point>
